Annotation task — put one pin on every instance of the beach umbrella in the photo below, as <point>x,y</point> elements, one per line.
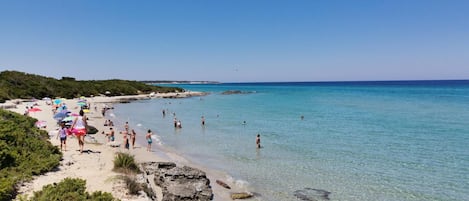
<point>57,101</point>
<point>75,115</point>
<point>68,119</point>
<point>65,111</point>
<point>86,110</point>
<point>81,103</point>
<point>59,116</point>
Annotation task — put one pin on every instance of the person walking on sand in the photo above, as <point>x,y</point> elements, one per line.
<point>133,135</point>
<point>258,141</point>
<point>79,129</point>
<point>149,140</point>
<point>63,137</point>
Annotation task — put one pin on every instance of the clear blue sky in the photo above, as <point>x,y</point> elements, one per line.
<point>237,40</point>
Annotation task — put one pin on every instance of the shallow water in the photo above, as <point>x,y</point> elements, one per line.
<point>359,141</point>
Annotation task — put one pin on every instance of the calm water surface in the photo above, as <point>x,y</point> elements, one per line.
<point>358,140</point>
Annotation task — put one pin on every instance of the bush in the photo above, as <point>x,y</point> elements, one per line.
<point>125,163</point>
<point>132,185</point>
<point>70,189</point>
<point>14,84</point>
<point>24,152</point>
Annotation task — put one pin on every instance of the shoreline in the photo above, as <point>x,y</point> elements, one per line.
<point>96,163</point>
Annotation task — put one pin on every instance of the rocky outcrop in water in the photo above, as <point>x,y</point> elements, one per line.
<point>231,92</point>
<point>311,194</point>
<point>179,183</point>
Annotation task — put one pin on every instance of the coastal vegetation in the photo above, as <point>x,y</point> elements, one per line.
<point>124,162</point>
<point>24,152</point>
<point>70,189</point>
<point>14,84</point>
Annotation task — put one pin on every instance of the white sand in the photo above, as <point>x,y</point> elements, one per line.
<point>96,165</point>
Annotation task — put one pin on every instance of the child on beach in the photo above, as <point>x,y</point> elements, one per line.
<point>63,137</point>
<point>149,140</point>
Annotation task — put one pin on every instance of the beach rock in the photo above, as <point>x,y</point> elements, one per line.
<point>185,95</point>
<point>221,183</point>
<point>179,183</point>
<point>91,129</point>
<point>235,196</point>
<point>311,194</point>
<point>230,92</point>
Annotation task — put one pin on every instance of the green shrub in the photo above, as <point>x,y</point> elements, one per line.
<point>14,84</point>
<point>132,185</point>
<point>71,190</point>
<point>24,152</point>
<point>125,163</point>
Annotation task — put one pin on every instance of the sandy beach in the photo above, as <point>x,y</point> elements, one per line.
<point>95,164</point>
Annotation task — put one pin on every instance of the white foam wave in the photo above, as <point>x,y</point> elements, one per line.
<point>237,182</point>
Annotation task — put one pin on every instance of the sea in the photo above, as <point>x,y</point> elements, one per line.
<point>383,140</point>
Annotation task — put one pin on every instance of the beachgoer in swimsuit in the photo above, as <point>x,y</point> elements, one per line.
<point>126,126</point>
<point>149,140</point>
<point>79,129</point>
<point>63,137</point>
<point>258,141</point>
<point>133,135</point>
<point>179,124</point>
<point>110,135</point>
<point>126,142</point>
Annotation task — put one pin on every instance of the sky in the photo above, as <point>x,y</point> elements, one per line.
<point>237,40</point>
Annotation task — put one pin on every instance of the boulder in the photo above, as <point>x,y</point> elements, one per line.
<point>230,92</point>
<point>179,183</point>
<point>311,194</point>
<point>235,196</point>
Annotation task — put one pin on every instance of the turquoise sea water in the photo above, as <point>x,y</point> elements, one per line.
<point>359,140</point>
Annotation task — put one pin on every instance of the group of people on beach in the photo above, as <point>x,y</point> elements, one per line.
<point>129,137</point>
<point>77,128</point>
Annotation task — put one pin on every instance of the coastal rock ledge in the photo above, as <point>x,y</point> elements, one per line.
<point>179,183</point>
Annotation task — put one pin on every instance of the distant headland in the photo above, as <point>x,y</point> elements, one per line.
<point>178,82</point>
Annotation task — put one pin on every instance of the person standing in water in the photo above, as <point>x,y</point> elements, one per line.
<point>126,142</point>
<point>258,141</point>
<point>149,140</point>
<point>203,120</point>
